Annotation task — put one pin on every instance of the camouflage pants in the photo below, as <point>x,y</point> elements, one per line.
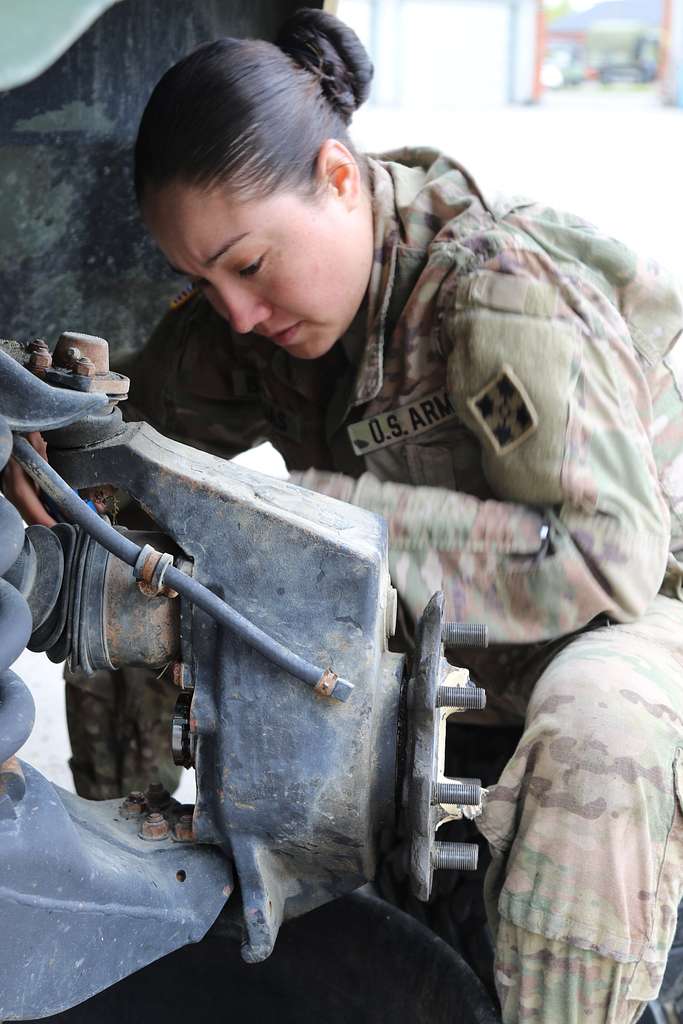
<point>586,825</point>
<point>120,728</point>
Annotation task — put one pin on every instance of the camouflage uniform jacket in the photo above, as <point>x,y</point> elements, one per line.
<point>514,408</point>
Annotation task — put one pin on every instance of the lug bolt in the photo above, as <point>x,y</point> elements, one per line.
<point>455,856</point>
<point>471,698</point>
<point>134,805</point>
<point>464,634</point>
<point>466,794</point>
<point>154,827</point>
<point>182,830</point>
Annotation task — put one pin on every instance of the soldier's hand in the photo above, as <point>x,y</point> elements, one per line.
<point>21,490</point>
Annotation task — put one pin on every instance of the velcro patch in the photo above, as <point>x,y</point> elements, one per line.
<point>392,427</point>
<point>504,411</point>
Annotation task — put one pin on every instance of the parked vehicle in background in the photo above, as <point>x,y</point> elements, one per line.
<point>620,51</point>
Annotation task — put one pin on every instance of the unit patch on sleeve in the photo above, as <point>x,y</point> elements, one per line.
<point>395,426</point>
<point>504,411</point>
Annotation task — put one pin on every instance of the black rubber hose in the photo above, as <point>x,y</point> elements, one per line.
<point>12,534</point>
<point>17,714</point>
<point>16,624</point>
<point>78,512</point>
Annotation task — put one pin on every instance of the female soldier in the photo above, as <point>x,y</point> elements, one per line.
<point>498,380</point>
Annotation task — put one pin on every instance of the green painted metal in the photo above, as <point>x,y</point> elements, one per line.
<point>34,33</point>
<point>74,254</point>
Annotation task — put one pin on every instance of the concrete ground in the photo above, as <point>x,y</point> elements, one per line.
<point>612,155</point>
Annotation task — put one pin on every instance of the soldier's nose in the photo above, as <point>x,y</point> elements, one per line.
<point>244,312</point>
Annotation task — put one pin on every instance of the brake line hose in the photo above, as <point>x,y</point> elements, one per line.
<point>323,681</point>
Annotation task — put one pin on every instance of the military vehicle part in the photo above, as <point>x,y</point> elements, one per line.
<point>76,250</point>
<point>293,788</point>
<point>324,681</point>
<point>437,691</point>
<point>81,362</point>
<point>77,881</point>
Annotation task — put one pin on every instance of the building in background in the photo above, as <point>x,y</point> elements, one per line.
<point>613,41</point>
<point>672,53</point>
<point>450,53</point>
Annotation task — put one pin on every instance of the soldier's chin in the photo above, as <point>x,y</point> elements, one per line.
<point>311,348</point>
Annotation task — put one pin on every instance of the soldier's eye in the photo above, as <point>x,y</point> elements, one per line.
<point>252,269</point>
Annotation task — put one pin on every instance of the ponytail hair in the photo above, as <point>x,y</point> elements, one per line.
<point>250,115</point>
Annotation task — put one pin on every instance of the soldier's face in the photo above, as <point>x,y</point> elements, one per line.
<point>289,268</point>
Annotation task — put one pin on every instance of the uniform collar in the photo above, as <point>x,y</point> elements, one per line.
<point>386,237</point>
<point>401,242</point>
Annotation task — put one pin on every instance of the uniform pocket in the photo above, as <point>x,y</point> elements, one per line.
<point>430,466</point>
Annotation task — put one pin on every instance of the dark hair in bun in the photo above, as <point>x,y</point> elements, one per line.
<point>333,53</point>
<point>251,115</point>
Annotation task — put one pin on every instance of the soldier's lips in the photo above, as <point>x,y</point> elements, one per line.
<point>287,336</point>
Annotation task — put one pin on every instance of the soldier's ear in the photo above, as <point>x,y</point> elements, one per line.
<point>338,173</point>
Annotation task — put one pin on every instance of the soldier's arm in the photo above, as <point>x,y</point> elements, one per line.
<point>562,414</point>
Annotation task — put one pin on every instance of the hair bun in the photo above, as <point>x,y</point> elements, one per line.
<point>332,52</point>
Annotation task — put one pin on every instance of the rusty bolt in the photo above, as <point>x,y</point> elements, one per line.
<point>154,827</point>
<point>158,797</point>
<point>134,805</point>
<point>182,830</point>
<point>84,367</point>
<point>40,358</point>
<point>38,364</point>
<point>72,354</point>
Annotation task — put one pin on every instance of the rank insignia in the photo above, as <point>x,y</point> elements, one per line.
<point>504,411</point>
<point>182,297</point>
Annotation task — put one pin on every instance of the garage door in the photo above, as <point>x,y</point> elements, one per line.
<point>455,53</point>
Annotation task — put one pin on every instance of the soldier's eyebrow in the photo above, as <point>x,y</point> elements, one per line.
<point>224,248</point>
<point>214,256</point>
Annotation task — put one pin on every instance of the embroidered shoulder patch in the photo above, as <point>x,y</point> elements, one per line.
<point>504,411</point>
<point>393,427</point>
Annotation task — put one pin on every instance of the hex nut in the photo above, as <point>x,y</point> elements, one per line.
<point>182,830</point>
<point>158,797</point>
<point>84,367</point>
<point>154,827</point>
<point>134,805</point>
